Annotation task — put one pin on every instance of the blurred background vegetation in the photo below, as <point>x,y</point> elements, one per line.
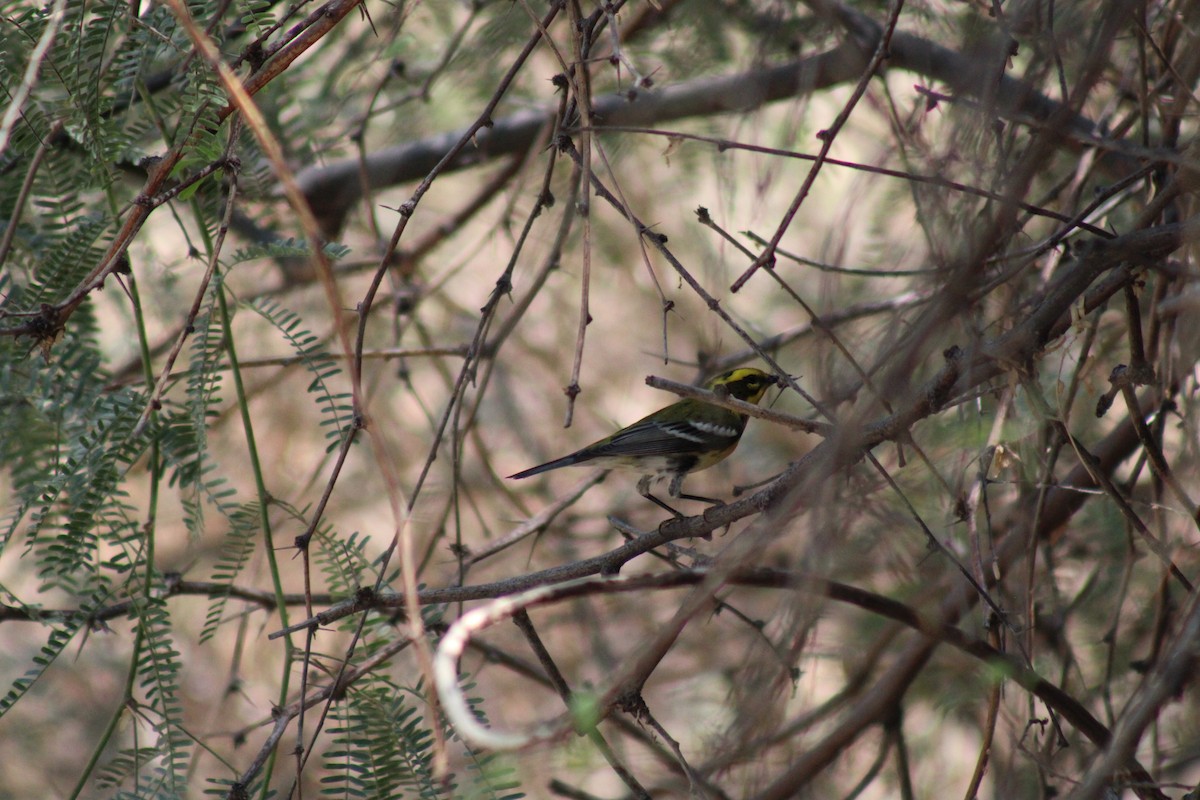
<point>288,288</point>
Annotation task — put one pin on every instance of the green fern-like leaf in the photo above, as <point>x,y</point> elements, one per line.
<point>123,766</point>
<point>381,747</point>
<point>73,248</point>
<point>96,32</point>
<point>235,553</point>
<point>233,790</point>
<point>491,775</point>
<point>286,248</point>
<point>145,52</point>
<point>57,640</point>
<point>158,671</point>
<point>203,97</point>
<point>337,407</point>
<point>343,562</point>
<point>185,435</point>
<point>69,453</point>
<point>82,503</point>
<point>65,441</point>
<point>258,16</point>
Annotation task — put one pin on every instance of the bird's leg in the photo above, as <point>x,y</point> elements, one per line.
<point>677,485</point>
<point>643,488</point>
<point>674,489</point>
<point>702,499</point>
<point>664,506</point>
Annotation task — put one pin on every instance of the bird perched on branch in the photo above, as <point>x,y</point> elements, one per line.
<point>684,437</point>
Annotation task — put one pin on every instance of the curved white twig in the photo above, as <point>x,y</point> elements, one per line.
<point>445,666</point>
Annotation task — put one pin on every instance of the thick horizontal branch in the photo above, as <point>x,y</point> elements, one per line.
<point>333,189</point>
<point>175,587</point>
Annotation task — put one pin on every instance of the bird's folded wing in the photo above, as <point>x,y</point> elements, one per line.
<point>682,437</point>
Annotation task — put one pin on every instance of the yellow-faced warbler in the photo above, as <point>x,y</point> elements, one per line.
<point>683,437</point>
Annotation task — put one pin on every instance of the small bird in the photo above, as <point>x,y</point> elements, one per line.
<point>684,437</point>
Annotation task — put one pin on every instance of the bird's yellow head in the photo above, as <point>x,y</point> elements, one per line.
<point>744,383</point>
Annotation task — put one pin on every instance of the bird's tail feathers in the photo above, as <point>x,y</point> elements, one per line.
<point>565,461</point>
